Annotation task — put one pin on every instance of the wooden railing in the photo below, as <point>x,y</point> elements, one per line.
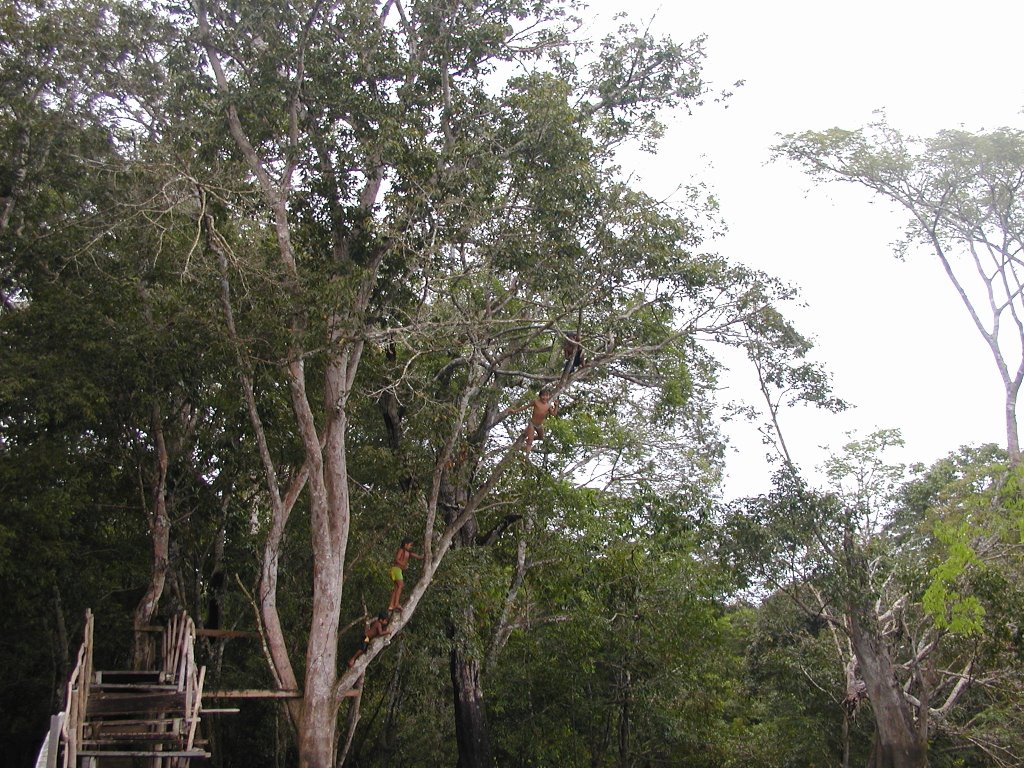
<point>179,663</point>
<point>78,697</point>
<point>79,731</point>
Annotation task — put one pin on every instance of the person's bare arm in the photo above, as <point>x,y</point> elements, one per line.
<point>522,407</point>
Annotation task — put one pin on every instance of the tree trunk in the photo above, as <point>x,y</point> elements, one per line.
<point>898,742</point>
<point>1012,437</point>
<point>318,727</point>
<point>626,694</point>
<point>329,518</point>
<point>160,537</point>
<point>470,711</point>
<point>471,732</point>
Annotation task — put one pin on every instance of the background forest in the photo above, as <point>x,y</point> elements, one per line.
<point>279,283</point>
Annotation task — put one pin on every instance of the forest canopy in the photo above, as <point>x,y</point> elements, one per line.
<point>296,295</point>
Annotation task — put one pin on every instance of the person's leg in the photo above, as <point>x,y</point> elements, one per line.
<point>396,590</point>
<point>530,430</point>
<point>396,596</point>
<point>359,652</point>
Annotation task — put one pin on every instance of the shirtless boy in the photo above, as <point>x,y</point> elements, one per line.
<point>376,628</point>
<point>397,572</point>
<point>543,407</point>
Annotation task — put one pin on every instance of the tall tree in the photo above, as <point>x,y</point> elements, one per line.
<point>416,204</point>
<point>376,208</point>
<point>963,194</point>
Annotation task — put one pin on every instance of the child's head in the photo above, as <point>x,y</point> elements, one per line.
<point>545,394</point>
<point>384,616</point>
<point>406,542</point>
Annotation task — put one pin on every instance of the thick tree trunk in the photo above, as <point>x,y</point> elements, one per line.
<point>898,742</point>
<point>470,711</point>
<point>318,727</point>
<point>471,732</point>
<point>329,517</point>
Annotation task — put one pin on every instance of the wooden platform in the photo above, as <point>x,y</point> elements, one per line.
<point>115,717</point>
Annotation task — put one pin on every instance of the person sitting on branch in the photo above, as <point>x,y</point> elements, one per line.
<point>572,349</point>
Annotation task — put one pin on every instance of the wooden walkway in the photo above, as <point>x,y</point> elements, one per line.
<point>126,718</point>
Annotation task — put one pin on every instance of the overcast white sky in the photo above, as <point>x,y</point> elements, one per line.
<point>899,344</point>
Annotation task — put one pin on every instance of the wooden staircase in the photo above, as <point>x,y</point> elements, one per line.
<point>128,718</point>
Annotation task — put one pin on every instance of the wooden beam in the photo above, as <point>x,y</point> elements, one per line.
<point>225,633</point>
<point>206,632</point>
<point>198,754</point>
<point>252,694</point>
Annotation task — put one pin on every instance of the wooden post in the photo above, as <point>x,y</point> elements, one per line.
<point>52,742</point>
<point>193,716</point>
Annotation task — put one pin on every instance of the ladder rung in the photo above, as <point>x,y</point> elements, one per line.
<point>139,687</point>
<point>130,676</point>
<point>175,737</point>
<point>126,723</point>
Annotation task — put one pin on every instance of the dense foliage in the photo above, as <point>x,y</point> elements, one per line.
<point>278,283</point>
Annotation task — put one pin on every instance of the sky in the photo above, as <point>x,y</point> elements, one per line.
<point>899,344</point>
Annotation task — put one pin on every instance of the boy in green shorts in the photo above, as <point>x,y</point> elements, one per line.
<point>397,572</point>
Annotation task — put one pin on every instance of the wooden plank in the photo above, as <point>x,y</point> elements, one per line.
<point>193,715</point>
<point>122,736</point>
<point>252,693</point>
<point>127,704</point>
<point>129,676</point>
<point>225,633</point>
<point>133,687</point>
<point>133,722</point>
<point>53,742</point>
<point>197,754</point>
